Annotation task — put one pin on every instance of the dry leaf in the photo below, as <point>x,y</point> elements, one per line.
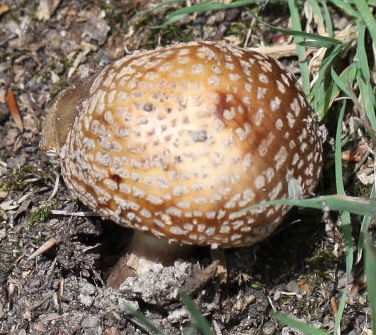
<point>14,110</point>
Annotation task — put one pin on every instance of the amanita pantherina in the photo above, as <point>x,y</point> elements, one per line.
<point>174,142</point>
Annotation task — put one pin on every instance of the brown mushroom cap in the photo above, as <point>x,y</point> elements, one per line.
<point>176,141</point>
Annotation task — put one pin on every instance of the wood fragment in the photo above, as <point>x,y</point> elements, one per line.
<point>218,256</point>
<point>200,279</point>
<point>50,243</point>
<point>334,305</point>
<point>13,109</point>
<point>46,9</point>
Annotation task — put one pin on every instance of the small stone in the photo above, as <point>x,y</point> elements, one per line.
<point>293,286</point>
<point>269,328</point>
<point>178,315</point>
<point>86,300</point>
<point>91,322</point>
<point>88,289</point>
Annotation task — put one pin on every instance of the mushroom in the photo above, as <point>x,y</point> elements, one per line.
<point>176,142</point>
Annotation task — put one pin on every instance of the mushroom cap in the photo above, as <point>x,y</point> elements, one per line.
<point>176,141</point>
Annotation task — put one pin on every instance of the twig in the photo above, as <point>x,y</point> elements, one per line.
<point>56,187</point>
<point>231,15</point>
<point>66,213</point>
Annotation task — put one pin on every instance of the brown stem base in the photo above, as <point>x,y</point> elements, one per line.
<point>145,253</point>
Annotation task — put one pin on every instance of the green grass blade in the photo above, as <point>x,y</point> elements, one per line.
<point>341,308</point>
<point>205,6</point>
<point>367,16</point>
<point>319,90</point>
<point>324,40</point>
<point>317,44</point>
<point>362,54</point>
<point>152,9</point>
<point>370,271</point>
<point>338,153</point>
<point>337,202</point>
<point>192,330</point>
<point>362,62</point>
<point>346,79</point>
<point>345,218</point>
<point>328,19</point>
<point>364,81</point>
<point>346,221</point>
<point>144,321</point>
<point>301,50</point>
<point>346,7</point>
<point>339,82</point>
<point>364,229</point>
<point>366,93</point>
<point>197,318</point>
<point>300,325</point>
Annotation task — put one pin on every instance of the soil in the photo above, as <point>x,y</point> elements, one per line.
<point>300,270</point>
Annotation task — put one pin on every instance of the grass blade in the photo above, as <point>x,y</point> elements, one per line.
<point>317,44</point>
<point>341,309</point>
<point>364,229</point>
<point>369,108</point>
<point>339,82</point>
<point>367,16</point>
<point>346,79</point>
<point>362,62</point>
<point>337,202</point>
<point>362,54</point>
<point>303,63</point>
<point>324,40</point>
<point>370,270</point>
<point>205,6</point>
<point>328,19</point>
<point>144,321</point>
<point>197,318</point>
<point>152,9</point>
<point>345,219</point>
<point>346,222</point>
<point>346,7</point>
<point>192,330</point>
<point>319,90</point>
<point>300,325</point>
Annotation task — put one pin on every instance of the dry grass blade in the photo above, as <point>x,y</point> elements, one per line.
<point>50,243</point>
<point>14,110</point>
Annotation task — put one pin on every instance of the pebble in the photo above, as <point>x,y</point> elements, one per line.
<point>269,328</point>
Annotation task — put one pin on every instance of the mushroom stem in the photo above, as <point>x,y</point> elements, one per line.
<point>145,252</point>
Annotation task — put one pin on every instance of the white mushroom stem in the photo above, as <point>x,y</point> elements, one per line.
<point>145,252</point>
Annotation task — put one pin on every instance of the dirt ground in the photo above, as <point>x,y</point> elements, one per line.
<point>45,45</point>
